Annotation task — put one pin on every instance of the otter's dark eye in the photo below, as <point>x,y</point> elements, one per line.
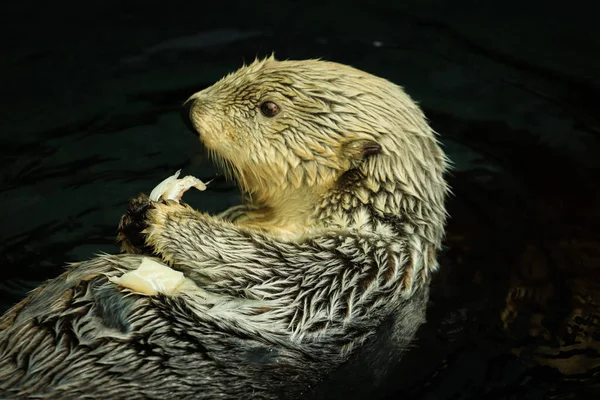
<point>269,109</point>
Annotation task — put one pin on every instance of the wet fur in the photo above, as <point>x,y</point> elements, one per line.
<point>326,265</point>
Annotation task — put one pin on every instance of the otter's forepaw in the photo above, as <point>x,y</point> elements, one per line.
<point>170,221</point>
<point>132,225</point>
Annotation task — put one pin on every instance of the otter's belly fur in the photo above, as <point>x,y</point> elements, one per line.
<point>80,336</point>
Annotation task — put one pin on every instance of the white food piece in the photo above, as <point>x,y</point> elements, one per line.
<point>160,189</point>
<point>151,278</point>
<point>173,188</point>
<point>180,186</point>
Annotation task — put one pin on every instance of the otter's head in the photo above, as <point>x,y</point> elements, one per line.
<point>297,132</point>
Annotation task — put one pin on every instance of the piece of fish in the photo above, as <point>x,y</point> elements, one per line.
<point>173,188</point>
<point>151,278</point>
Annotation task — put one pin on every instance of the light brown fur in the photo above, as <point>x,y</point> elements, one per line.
<point>289,167</point>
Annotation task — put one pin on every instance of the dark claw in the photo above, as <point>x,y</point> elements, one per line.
<point>132,223</point>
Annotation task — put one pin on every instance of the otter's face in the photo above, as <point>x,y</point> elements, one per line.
<point>296,124</point>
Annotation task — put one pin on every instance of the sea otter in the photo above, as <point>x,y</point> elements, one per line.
<point>337,237</point>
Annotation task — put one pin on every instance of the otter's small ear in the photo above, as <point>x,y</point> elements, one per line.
<point>370,148</point>
<point>358,150</point>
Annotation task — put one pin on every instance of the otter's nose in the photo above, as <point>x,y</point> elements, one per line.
<point>186,110</point>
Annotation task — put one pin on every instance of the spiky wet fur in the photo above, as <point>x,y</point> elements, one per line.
<point>331,245</point>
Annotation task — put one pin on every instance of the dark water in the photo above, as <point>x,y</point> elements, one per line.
<point>90,94</point>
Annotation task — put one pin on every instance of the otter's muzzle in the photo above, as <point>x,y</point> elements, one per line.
<point>186,110</point>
